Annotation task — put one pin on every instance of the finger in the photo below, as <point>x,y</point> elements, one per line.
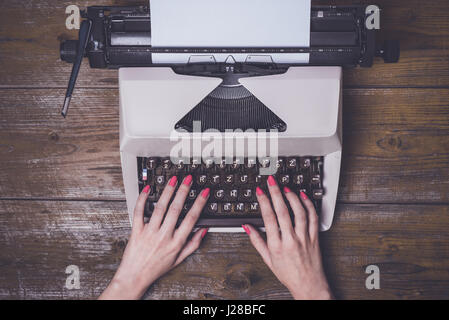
<point>269,219</point>
<point>191,246</point>
<point>161,205</point>
<point>299,212</point>
<point>176,206</point>
<point>192,216</point>
<point>139,209</point>
<point>280,208</point>
<point>258,243</point>
<point>312,216</point>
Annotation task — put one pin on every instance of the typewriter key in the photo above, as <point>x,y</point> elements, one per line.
<point>254,207</point>
<point>227,207</point>
<point>240,207</point>
<point>212,207</point>
<point>229,179</point>
<point>219,194</point>
<point>166,164</point>
<point>201,180</point>
<point>284,179</point>
<point>291,163</point>
<point>215,179</point>
<point>160,180</point>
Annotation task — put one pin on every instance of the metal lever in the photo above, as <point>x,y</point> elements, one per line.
<point>82,44</point>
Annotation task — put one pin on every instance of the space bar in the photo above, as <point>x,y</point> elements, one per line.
<point>228,222</point>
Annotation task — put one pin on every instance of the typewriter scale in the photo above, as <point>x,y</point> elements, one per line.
<point>260,88</point>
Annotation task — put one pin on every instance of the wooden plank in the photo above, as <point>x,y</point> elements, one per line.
<point>395,146</point>
<point>39,239</point>
<point>29,45</point>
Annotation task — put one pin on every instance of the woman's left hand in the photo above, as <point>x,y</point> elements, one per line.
<point>158,246</point>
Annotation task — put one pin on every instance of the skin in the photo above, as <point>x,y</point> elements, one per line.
<point>291,252</point>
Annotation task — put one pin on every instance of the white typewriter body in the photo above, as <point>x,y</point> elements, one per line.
<point>308,99</point>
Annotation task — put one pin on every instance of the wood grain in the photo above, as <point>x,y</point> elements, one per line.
<point>30,34</point>
<point>62,199</point>
<point>39,239</point>
<point>395,145</point>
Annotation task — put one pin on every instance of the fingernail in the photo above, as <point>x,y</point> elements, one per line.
<point>287,190</point>
<point>205,193</point>
<point>271,181</point>
<point>303,196</point>
<point>173,181</point>
<point>259,191</point>
<point>146,189</point>
<point>203,234</point>
<point>187,180</point>
<point>246,229</point>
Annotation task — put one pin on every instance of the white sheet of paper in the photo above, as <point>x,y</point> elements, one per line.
<point>231,23</point>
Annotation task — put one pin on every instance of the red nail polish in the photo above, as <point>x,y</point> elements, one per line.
<point>203,234</point>
<point>303,196</point>
<point>188,180</point>
<point>259,191</point>
<point>146,189</point>
<point>246,229</point>
<point>271,181</point>
<point>287,190</point>
<point>173,181</point>
<point>205,193</point>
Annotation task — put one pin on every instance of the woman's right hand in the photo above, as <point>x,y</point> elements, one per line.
<point>292,253</point>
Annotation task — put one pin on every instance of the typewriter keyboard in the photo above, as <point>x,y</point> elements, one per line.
<point>232,201</point>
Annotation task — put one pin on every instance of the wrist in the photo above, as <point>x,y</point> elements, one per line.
<point>123,288</point>
<point>316,294</point>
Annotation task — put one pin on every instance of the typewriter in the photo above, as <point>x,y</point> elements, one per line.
<point>177,94</point>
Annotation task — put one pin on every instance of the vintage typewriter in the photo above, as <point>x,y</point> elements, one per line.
<point>166,88</point>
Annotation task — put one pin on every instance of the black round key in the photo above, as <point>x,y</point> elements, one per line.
<point>194,164</point>
<point>192,194</point>
<point>209,163</point>
<point>239,207</point>
<point>279,163</point>
<point>265,163</point>
<point>160,180</point>
<point>243,179</point>
<point>247,193</point>
<point>215,179</point>
<point>254,207</point>
<point>298,179</point>
<point>212,207</point>
<point>229,179</point>
<point>284,179</point>
<point>305,163</point>
<point>227,207</point>
<point>291,163</point>
<point>222,164</point>
<point>235,164</point>
<point>250,163</point>
<point>180,165</point>
<point>166,164</point>
<point>151,163</point>
<point>233,194</point>
<point>219,194</point>
<point>201,180</point>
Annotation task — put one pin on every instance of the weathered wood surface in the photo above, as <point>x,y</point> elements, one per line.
<point>41,238</point>
<point>31,32</point>
<point>395,145</point>
<point>61,193</point>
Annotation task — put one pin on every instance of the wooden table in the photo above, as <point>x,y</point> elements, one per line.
<point>62,197</point>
